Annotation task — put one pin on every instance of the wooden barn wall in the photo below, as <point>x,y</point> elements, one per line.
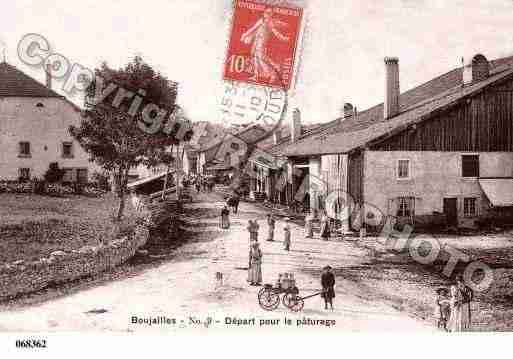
<point>483,123</point>
<point>333,172</point>
<point>355,176</point>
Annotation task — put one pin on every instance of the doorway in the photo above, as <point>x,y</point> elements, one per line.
<point>451,211</point>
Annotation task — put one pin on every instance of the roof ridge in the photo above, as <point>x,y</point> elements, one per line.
<point>454,71</point>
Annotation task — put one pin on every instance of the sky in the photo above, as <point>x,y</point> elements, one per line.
<point>340,60</point>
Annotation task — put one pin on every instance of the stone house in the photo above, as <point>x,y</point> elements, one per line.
<point>34,122</point>
<point>214,157</point>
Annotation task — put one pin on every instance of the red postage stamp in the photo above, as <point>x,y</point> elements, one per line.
<point>263,42</point>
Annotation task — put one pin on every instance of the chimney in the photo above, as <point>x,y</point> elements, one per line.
<point>296,125</point>
<point>277,136</point>
<point>391,104</point>
<point>347,110</point>
<point>48,73</point>
<point>477,69</point>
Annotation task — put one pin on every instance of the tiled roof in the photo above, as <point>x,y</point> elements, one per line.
<point>248,135</point>
<point>14,83</point>
<point>308,130</point>
<point>415,104</point>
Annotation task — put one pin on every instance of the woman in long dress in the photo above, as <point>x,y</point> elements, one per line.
<point>309,225</point>
<point>466,297</point>
<point>455,322</point>
<point>255,229</point>
<point>253,235</point>
<point>286,237</point>
<point>325,227</point>
<point>255,264</point>
<point>225,219</point>
<point>271,222</point>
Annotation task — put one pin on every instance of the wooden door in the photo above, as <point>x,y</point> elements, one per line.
<point>451,211</point>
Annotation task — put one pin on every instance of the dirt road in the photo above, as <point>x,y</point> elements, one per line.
<point>181,293</point>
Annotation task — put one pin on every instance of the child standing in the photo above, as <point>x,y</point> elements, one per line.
<point>328,284</point>
<point>443,308</point>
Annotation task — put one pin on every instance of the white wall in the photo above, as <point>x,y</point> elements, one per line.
<point>45,128</point>
<point>434,175</point>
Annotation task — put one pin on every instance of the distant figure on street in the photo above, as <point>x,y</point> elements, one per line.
<point>253,228</point>
<point>198,186</point>
<point>225,218</point>
<point>271,223</point>
<point>328,284</point>
<point>233,202</point>
<point>309,225</point>
<point>255,264</point>
<point>286,237</point>
<point>325,227</point>
<point>236,200</point>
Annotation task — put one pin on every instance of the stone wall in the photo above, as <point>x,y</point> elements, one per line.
<point>25,277</point>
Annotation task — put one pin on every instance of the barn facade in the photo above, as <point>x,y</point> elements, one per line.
<point>439,154</point>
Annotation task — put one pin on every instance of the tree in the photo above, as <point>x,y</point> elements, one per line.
<point>125,122</point>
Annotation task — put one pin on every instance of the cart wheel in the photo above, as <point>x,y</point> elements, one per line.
<point>268,299</point>
<point>293,302</point>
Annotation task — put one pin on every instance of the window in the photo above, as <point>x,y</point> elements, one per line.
<point>470,165</point>
<point>406,207</point>
<point>24,174</point>
<point>403,169</point>
<point>469,207</point>
<point>67,150</point>
<point>24,149</point>
<point>68,175</point>
<point>82,175</point>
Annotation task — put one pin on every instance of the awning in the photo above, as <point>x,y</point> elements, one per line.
<point>498,190</point>
<point>219,167</point>
<point>263,162</point>
<point>145,180</point>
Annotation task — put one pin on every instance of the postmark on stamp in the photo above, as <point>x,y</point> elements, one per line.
<point>262,44</point>
<point>250,104</point>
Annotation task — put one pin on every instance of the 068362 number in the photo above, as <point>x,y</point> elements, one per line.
<point>31,343</point>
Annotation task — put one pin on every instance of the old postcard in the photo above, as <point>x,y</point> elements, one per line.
<point>286,166</point>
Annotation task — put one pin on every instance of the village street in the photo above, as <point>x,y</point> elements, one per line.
<point>185,286</point>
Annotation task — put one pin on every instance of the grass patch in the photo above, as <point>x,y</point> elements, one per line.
<point>33,226</point>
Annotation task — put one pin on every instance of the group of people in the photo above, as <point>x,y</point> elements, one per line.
<point>271,223</point>
<point>255,253</point>
<point>453,307</point>
<point>202,183</point>
<point>453,310</point>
